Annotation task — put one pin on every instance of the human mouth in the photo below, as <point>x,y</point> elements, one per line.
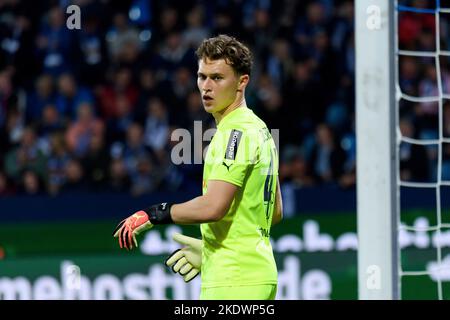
<point>207,98</point>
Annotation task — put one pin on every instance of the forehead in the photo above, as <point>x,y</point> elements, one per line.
<point>208,66</point>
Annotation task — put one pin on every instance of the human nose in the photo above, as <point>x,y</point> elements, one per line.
<point>206,85</point>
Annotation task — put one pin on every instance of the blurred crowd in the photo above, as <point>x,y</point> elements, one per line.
<point>93,109</point>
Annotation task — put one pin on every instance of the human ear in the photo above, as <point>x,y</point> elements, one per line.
<point>243,81</point>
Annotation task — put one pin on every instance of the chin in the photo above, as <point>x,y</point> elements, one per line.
<point>209,109</point>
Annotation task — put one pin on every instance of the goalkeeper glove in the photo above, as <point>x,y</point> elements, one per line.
<point>186,261</point>
<point>142,220</point>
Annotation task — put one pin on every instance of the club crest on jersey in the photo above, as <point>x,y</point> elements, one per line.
<point>233,144</point>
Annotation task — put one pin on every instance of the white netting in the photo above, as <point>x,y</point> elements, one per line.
<point>437,98</point>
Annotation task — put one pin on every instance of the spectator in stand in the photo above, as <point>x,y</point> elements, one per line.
<point>80,133</point>
<point>327,157</point>
<point>122,39</point>
<point>446,146</point>
<point>269,103</point>
<point>182,85</point>
<point>55,43</point>
<point>414,163</point>
<point>75,178</point>
<point>118,125</point>
<point>168,22</point>
<point>133,148</point>
<point>42,95</point>
<point>411,25</point>
<point>93,51</point>
<point>173,53</point>
<point>314,21</point>
<point>446,119</point>
<point>27,156</point>
<point>13,129</point>
<point>6,94</point>
<point>17,38</point>
<point>119,180</point>
<point>148,87</point>
<point>95,162</point>
<point>6,187</point>
<point>51,122</point>
<point>224,20</point>
<point>31,184</point>
<point>57,162</point>
<point>409,75</point>
<point>295,169</point>
<point>71,95</point>
<point>156,130</point>
<point>343,44</point>
<point>427,113</point>
<point>280,62</point>
<point>122,86</point>
<point>195,30</point>
<point>145,178</point>
<point>261,33</point>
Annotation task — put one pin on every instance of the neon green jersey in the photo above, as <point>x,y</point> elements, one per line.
<point>237,249</point>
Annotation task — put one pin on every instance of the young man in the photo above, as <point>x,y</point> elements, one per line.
<point>241,196</point>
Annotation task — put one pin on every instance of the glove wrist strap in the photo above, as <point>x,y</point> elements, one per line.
<point>160,213</point>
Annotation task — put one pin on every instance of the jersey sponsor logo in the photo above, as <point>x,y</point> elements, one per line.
<point>233,144</point>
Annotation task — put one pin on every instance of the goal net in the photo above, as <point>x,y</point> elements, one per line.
<point>403,148</point>
<point>422,104</point>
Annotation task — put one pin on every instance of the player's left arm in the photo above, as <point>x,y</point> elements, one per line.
<point>278,210</point>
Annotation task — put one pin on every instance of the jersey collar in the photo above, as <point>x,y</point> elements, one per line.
<point>232,115</point>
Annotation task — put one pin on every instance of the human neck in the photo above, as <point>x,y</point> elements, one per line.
<point>238,103</point>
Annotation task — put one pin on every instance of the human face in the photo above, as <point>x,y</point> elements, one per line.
<point>218,84</point>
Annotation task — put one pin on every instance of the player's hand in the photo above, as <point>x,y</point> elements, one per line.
<point>186,261</point>
<point>129,228</point>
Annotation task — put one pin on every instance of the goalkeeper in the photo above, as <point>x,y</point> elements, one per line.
<point>241,196</point>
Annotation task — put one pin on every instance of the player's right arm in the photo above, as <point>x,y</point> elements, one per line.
<point>278,210</point>
<point>210,207</point>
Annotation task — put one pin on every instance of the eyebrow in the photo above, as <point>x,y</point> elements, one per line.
<point>215,74</point>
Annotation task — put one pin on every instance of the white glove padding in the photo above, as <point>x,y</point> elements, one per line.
<point>186,261</point>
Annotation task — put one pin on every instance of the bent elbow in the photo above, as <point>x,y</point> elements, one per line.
<point>217,214</point>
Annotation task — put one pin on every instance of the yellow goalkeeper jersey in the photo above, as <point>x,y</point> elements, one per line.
<point>236,250</point>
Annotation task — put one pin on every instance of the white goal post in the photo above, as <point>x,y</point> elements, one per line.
<point>377,198</point>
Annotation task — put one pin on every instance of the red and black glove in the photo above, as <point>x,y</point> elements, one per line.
<point>142,220</point>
